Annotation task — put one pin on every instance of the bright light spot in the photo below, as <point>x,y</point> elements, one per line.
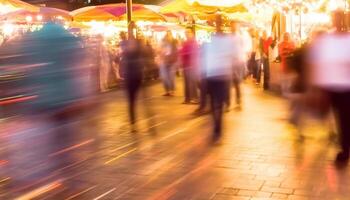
<point>335,4</point>
<point>319,18</point>
<point>29,18</point>
<point>110,30</point>
<point>59,17</point>
<point>8,29</point>
<point>6,9</point>
<point>96,27</point>
<point>39,17</point>
<point>143,23</point>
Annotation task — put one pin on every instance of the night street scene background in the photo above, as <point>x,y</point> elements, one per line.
<point>174,100</point>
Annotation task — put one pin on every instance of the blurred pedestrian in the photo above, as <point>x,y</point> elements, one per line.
<point>169,55</point>
<point>60,71</point>
<point>265,44</point>
<point>151,70</point>
<point>329,58</point>
<point>218,60</point>
<point>238,62</point>
<point>257,56</point>
<point>133,64</point>
<point>189,58</point>
<point>202,77</point>
<point>105,64</point>
<point>285,49</point>
<point>58,79</point>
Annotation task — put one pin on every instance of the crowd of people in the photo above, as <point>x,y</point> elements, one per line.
<point>61,71</point>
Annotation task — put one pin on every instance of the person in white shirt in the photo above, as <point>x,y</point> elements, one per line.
<point>238,62</point>
<point>330,72</point>
<point>218,59</point>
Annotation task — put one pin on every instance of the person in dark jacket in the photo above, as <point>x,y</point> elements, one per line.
<point>133,60</point>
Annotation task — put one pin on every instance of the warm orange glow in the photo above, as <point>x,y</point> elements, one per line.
<point>222,3</point>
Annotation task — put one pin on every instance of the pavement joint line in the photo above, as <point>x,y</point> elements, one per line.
<point>175,132</point>
<point>71,165</point>
<point>120,156</point>
<point>72,147</point>
<point>55,173</point>
<point>146,129</point>
<point>5,179</point>
<point>40,191</point>
<point>80,193</point>
<point>145,119</point>
<point>155,125</point>
<point>134,149</point>
<point>35,183</point>
<point>104,194</point>
<point>205,163</point>
<point>124,146</point>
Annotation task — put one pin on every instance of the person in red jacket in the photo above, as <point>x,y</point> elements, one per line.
<point>265,44</point>
<point>285,48</point>
<point>188,58</point>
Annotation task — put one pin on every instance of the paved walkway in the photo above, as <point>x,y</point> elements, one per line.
<point>170,157</point>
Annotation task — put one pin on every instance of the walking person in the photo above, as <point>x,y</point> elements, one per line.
<point>169,54</point>
<point>329,57</point>
<point>105,65</point>
<point>133,65</point>
<point>119,58</point>
<point>238,62</point>
<point>189,57</point>
<point>257,57</point>
<point>218,60</point>
<point>285,48</point>
<point>58,80</point>
<point>203,86</point>
<point>265,44</point>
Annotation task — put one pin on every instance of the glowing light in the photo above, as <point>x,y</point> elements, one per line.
<point>29,18</point>
<point>143,23</point>
<point>59,17</point>
<point>6,9</point>
<point>318,17</point>
<point>8,29</point>
<point>39,17</point>
<point>335,4</point>
<point>110,30</point>
<point>96,27</point>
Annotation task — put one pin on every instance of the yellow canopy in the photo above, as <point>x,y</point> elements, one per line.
<point>13,5</point>
<point>42,14</point>
<point>92,14</point>
<point>186,6</point>
<point>115,12</point>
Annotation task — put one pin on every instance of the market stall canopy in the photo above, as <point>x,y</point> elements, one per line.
<point>164,27</point>
<point>115,12</point>
<point>176,16</point>
<point>205,27</point>
<point>188,7</point>
<point>7,6</point>
<point>40,15</point>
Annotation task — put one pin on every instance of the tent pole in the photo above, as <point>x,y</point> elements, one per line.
<point>129,16</point>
